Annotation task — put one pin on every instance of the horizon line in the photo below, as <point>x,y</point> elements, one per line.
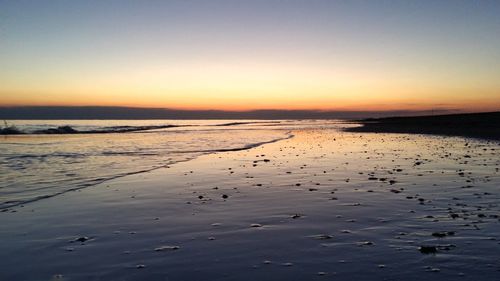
<point>138,113</point>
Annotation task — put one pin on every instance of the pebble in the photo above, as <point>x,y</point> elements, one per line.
<point>81,239</point>
<point>322,236</point>
<point>167,248</point>
<point>428,249</point>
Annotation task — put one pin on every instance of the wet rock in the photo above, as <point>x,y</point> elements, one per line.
<point>442,234</point>
<point>10,130</point>
<point>428,249</point>
<point>81,239</point>
<point>365,243</point>
<point>322,236</point>
<point>446,247</point>
<point>167,248</point>
<point>58,130</point>
<point>433,269</point>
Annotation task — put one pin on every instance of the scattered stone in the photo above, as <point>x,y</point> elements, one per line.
<point>365,243</point>
<point>428,249</point>
<point>167,248</point>
<point>433,269</point>
<point>322,236</point>
<point>442,234</point>
<point>81,239</point>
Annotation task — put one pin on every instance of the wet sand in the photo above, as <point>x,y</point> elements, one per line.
<point>475,125</point>
<point>324,205</point>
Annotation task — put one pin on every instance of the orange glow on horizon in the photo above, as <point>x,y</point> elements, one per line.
<point>252,86</point>
<point>407,105</point>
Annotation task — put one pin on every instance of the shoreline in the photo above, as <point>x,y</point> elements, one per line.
<point>8,205</point>
<point>472,125</point>
<point>323,204</point>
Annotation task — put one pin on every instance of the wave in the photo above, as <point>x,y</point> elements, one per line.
<point>116,129</point>
<point>246,123</point>
<point>249,146</point>
<point>5,205</point>
<point>61,155</point>
<point>66,129</point>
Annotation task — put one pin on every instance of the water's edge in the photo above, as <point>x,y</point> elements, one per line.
<point>4,206</point>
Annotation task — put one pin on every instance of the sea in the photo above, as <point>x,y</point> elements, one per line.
<point>35,165</point>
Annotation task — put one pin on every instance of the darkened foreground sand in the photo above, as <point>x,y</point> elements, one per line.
<point>477,125</point>
<point>324,205</point>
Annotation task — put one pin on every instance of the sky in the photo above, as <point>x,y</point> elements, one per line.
<point>259,54</point>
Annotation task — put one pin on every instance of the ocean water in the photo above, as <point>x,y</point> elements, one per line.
<point>37,166</point>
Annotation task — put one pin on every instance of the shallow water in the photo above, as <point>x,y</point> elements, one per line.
<point>34,167</point>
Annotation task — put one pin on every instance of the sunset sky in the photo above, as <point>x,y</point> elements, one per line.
<point>242,55</point>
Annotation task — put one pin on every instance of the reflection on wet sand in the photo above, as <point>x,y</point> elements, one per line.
<point>324,204</point>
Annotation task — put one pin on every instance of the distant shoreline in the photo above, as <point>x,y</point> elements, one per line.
<point>474,125</point>
<point>135,113</point>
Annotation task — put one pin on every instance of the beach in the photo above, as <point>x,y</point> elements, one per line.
<point>259,140</point>
<point>321,205</point>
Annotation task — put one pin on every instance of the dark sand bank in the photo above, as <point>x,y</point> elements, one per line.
<point>476,125</point>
